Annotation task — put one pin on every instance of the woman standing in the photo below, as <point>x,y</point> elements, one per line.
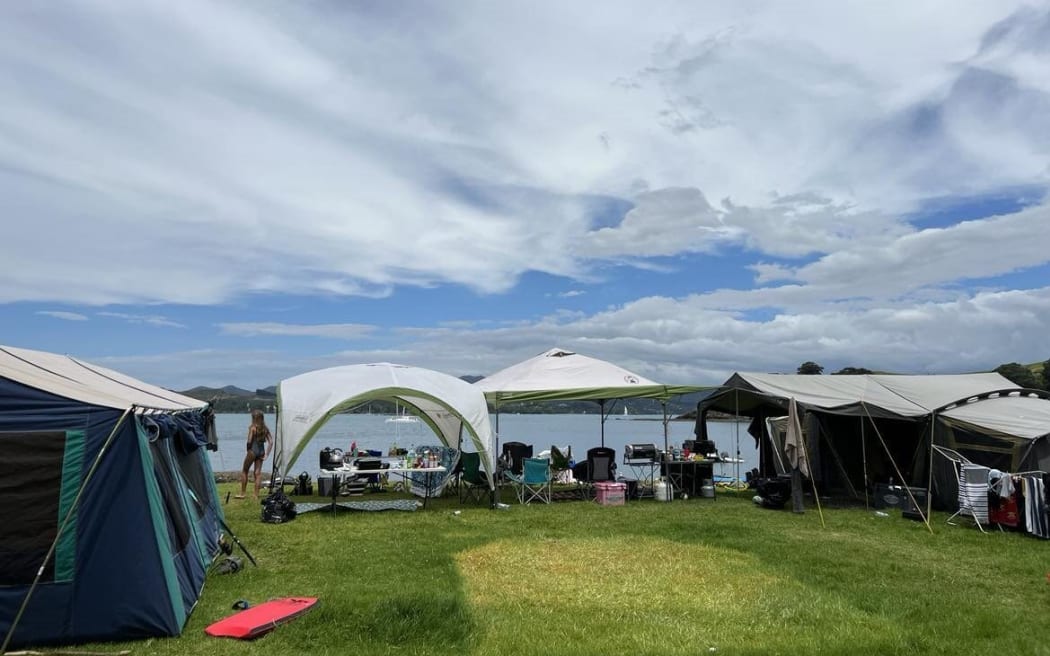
<point>259,443</point>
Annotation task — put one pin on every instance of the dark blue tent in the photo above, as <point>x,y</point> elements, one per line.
<point>105,482</point>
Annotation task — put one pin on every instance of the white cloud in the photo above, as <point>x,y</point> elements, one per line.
<point>335,331</point>
<point>148,319</point>
<point>315,162</point>
<point>202,154</point>
<point>673,341</point>
<point>66,316</point>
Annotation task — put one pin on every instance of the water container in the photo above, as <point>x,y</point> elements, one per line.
<point>662,491</point>
<point>707,490</point>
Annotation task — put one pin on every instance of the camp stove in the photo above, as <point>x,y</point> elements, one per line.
<point>639,453</point>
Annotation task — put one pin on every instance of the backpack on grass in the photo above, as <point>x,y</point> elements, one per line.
<point>277,508</point>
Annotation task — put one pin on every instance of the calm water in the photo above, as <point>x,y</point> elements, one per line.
<point>580,432</point>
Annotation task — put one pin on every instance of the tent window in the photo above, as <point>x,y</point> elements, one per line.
<point>192,470</point>
<point>178,523</point>
<point>31,466</point>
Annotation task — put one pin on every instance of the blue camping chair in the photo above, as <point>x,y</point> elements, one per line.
<point>534,482</point>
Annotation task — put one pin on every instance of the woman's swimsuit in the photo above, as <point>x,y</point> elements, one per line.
<point>259,446</point>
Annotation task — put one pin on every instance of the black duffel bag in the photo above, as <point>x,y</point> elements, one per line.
<point>774,492</point>
<point>277,508</point>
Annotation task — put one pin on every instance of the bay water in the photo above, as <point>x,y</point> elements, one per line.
<point>578,431</point>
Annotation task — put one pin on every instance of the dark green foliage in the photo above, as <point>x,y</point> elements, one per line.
<point>1019,375</point>
<point>810,369</point>
<point>1046,375</point>
<point>852,371</point>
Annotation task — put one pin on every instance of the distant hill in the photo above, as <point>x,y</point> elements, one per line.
<point>206,393</point>
<point>231,398</point>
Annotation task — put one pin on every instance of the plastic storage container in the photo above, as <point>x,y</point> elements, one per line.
<point>610,494</point>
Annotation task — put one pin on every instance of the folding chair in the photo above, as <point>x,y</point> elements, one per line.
<point>472,481</point>
<point>534,482</point>
<point>513,455</point>
<point>600,466</point>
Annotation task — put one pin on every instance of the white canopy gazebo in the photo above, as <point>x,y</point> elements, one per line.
<point>562,375</point>
<point>448,405</point>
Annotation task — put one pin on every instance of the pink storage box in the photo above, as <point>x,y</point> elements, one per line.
<point>610,494</point>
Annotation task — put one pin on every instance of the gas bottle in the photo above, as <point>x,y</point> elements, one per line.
<point>662,491</point>
<point>708,489</point>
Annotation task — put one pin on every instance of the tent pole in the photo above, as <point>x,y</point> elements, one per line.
<point>601,403</point>
<point>663,404</point>
<point>276,454</point>
<point>736,430</point>
<point>62,528</point>
<point>497,429</point>
<point>864,458</point>
<point>904,481</point>
<point>929,476</point>
<point>812,478</point>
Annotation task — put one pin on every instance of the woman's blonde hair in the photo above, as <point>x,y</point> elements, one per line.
<point>258,420</point>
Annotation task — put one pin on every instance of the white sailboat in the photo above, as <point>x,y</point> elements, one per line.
<point>401,416</point>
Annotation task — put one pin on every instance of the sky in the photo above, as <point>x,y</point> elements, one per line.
<point>216,193</point>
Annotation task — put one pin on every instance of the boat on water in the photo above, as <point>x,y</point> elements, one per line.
<point>401,416</point>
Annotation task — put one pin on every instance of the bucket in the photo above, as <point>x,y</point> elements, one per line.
<point>662,491</point>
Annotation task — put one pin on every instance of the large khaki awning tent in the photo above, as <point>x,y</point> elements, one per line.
<point>563,375</point>
<point>448,405</point>
<point>852,420</point>
<point>110,517</point>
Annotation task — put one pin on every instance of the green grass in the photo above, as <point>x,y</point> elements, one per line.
<point>645,578</point>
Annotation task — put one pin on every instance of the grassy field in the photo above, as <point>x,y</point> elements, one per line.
<point>688,577</point>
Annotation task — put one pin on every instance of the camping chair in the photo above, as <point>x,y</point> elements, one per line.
<point>973,487</point>
<point>600,466</point>
<point>560,470</point>
<point>534,482</point>
<point>472,481</point>
<point>514,453</point>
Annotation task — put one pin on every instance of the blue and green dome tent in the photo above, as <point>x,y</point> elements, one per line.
<point>109,516</point>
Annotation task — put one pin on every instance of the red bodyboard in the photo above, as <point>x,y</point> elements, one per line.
<point>257,620</point>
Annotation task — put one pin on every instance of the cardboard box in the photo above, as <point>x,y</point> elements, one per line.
<point>610,494</point>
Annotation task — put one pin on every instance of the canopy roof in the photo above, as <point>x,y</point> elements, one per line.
<point>915,397</point>
<point>447,404</point>
<point>1026,416</point>
<point>77,380</point>
<point>902,396</point>
<point>559,374</point>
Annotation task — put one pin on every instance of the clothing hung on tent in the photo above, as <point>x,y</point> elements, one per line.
<point>1018,501</point>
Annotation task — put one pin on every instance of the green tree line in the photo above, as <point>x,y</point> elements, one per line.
<point>1030,376</point>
